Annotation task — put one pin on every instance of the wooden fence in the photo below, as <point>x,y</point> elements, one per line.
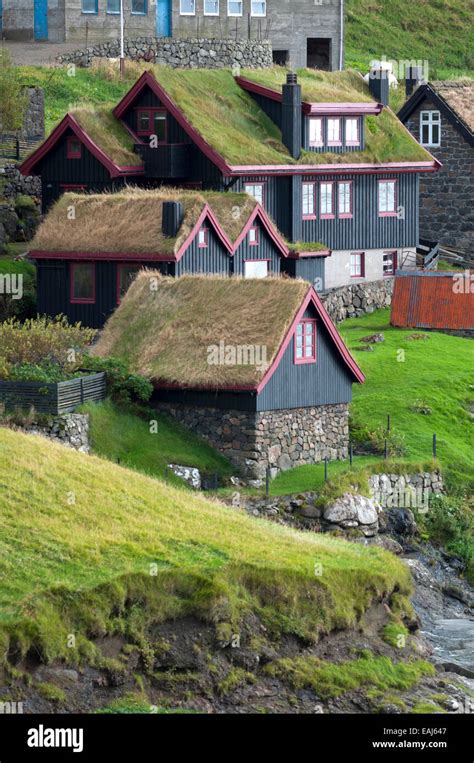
<point>15,148</point>
<point>61,397</point>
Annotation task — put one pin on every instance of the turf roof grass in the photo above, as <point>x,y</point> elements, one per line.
<point>107,132</point>
<point>131,220</point>
<point>166,332</point>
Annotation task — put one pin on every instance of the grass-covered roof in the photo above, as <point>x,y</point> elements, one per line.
<point>166,333</point>
<point>250,136</point>
<point>130,221</point>
<point>107,132</point>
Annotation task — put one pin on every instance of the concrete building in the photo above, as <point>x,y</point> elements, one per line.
<point>302,32</point>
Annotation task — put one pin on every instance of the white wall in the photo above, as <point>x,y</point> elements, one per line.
<point>338,271</point>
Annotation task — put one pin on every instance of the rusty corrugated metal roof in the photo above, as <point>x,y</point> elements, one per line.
<point>438,300</point>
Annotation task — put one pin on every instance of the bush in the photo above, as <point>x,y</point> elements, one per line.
<point>42,349</point>
<point>122,386</point>
<point>23,308</point>
<point>450,523</point>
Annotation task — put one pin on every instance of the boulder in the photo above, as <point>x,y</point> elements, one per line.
<point>187,473</point>
<point>350,508</point>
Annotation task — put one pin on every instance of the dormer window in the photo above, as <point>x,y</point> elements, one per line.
<point>253,236</point>
<point>316,132</point>
<point>305,342</point>
<point>352,131</point>
<point>203,238</point>
<point>152,122</point>
<point>334,132</point>
<point>74,148</point>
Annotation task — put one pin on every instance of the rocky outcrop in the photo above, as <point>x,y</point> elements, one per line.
<point>180,53</point>
<point>187,473</point>
<point>357,299</point>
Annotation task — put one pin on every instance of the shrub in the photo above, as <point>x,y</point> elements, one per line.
<point>23,308</point>
<point>366,440</point>
<point>44,347</point>
<point>449,522</point>
<point>122,386</point>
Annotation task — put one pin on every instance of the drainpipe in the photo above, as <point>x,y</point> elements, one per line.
<point>122,50</point>
<point>341,38</point>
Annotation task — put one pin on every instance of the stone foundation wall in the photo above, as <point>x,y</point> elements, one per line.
<point>181,53</point>
<point>278,440</point>
<point>357,299</point>
<point>71,429</point>
<point>16,184</point>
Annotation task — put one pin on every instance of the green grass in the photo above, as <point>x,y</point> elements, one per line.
<point>335,679</point>
<point>124,436</point>
<point>88,547</point>
<point>438,31</point>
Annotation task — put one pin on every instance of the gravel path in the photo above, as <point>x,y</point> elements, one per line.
<point>38,53</point>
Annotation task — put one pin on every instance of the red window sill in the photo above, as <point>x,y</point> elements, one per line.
<point>337,143</point>
<point>202,246</point>
<point>316,145</point>
<point>328,217</point>
<point>309,217</point>
<point>82,301</point>
<point>359,276</point>
<point>387,214</point>
<point>304,361</point>
<point>346,216</point>
<point>352,143</point>
<point>253,243</point>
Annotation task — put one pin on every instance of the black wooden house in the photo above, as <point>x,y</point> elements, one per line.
<point>331,166</point>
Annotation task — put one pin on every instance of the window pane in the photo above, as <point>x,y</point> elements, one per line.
<point>344,198</point>
<point>256,191</point>
<point>211,7</point>
<point>89,6</point>
<point>159,128</point>
<point>435,135</point>
<point>352,130</point>
<point>256,269</point>
<point>83,281</point>
<point>143,120</point>
<point>259,8</point>
<point>235,8</point>
<point>334,130</point>
<point>113,6</point>
<point>326,198</point>
<point>308,199</point>
<point>187,6</point>
<point>139,6</point>
<point>315,132</point>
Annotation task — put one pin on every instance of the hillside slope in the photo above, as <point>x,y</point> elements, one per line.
<point>438,31</point>
<point>78,536</point>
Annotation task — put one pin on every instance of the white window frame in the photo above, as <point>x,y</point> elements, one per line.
<point>187,13</point>
<point>357,260</point>
<point>352,141</point>
<point>212,13</point>
<point>344,189</point>
<point>326,193</point>
<point>256,269</point>
<point>334,141</point>
<point>383,197</point>
<point>258,15</point>
<point>250,193</point>
<point>235,15</point>
<point>308,201</point>
<point>313,121</point>
<point>430,122</point>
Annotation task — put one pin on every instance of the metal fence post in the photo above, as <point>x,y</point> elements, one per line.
<point>350,454</point>
<point>435,446</point>
<point>326,469</point>
<point>267,481</point>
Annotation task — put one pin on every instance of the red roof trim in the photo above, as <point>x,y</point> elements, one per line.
<point>263,217</point>
<point>355,108</point>
<point>293,255</point>
<point>37,254</point>
<point>69,122</point>
<point>147,79</point>
<point>335,169</point>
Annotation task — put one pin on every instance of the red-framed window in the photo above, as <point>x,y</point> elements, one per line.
<point>389,263</point>
<point>326,200</point>
<point>308,201</point>
<point>257,190</point>
<point>254,236</point>
<point>334,136</point>
<point>344,199</point>
<point>73,148</point>
<point>316,132</point>
<point>256,268</point>
<point>357,264</point>
<point>153,121</point>
<point>387,198</point>
<point>352,130</point>
<point>305,341</point>
<point>126,272</point>
<point>203,238</point>
<point>82,282</point>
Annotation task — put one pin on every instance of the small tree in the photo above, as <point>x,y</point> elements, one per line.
<point>13,98</point>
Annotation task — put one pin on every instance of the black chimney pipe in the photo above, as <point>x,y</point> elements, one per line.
<point>379,84</point>
<point>413,77</point>
<point>171,218</point>
<point>291,119</point>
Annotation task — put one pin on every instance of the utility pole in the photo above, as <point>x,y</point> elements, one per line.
<point>122,48</point>
<point>341,38</point>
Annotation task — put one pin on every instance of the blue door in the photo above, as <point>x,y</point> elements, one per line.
<point>1,16</point>
<point>41,19</point>
<point>163,18</point>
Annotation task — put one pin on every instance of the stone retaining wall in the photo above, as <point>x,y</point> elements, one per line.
<point>16,184</point>
<point>405,490</point>
<point>71,430</point>
<point>181,53</point>
<point>278,440</point>
<point>357,299</point>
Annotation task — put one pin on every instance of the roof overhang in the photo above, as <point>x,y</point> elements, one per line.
<point>329,109</point>
<point>40,254</point>
<point>295,255</point>
<point>70,123</point>
<point>335,169</point>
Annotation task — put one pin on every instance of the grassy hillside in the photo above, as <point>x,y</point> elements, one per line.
<point>79,536</point>
<point>125,437</point>
<point>438,31</point>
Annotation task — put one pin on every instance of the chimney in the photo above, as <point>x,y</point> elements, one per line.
<point>171,218</point>
<point>413,77</point>
<point>291,120</point>
<point>379,82</point>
